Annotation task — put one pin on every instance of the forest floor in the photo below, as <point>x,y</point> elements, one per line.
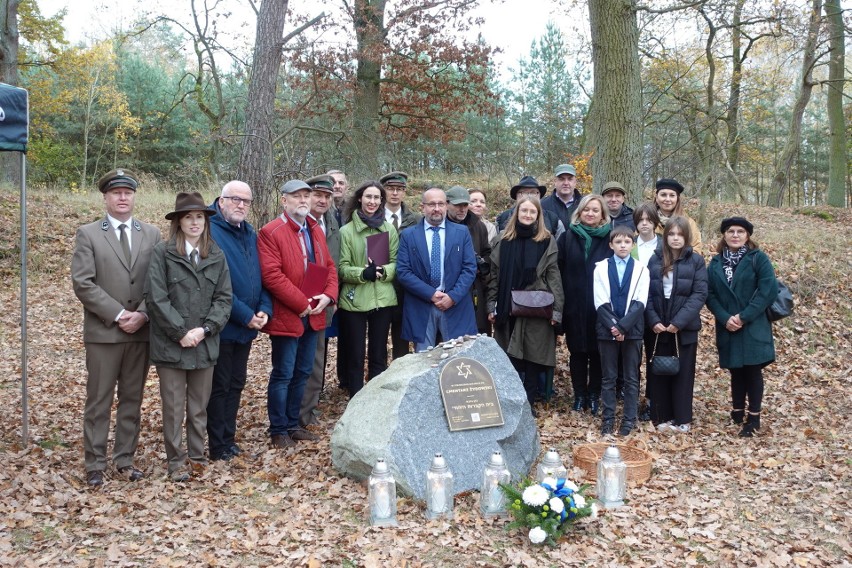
<point>713,499</point>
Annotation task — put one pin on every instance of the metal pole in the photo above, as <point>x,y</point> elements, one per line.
<point>25,415</point>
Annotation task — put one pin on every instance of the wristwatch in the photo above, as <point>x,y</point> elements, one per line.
<point>207,332</point>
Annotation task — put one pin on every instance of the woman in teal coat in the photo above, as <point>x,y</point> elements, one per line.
<point>742,285</point>
<point>367,293</point>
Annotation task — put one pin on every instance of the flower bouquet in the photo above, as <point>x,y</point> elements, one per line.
<point>548,508</point>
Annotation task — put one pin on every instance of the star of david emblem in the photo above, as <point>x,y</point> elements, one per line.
<point>464,370</point>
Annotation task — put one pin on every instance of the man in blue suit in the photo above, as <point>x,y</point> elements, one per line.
<point>436,266</point>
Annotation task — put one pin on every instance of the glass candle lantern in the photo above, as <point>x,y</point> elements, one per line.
<point>492,501</point>
<point>382,496</point>
<point>439,489</point>
<point>550,466</point>
<point>612,479</point>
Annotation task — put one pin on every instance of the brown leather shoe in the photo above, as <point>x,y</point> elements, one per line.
<point>95,478</point>
<point>130,473</point>
<point>282,441</point>
<point>303,435</point>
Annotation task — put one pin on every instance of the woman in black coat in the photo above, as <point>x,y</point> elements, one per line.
<point>742,285</point>
<point>581,246</point>
<point>677,292</point>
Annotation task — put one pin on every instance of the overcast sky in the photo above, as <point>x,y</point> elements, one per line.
<point>511,25</point>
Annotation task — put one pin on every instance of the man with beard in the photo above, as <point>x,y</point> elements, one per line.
<point>300,274</point>
<point>458,201</point>
<point>436,267</point>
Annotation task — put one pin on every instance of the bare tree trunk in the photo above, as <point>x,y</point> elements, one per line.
<point>732,120</point>
<point>256,161</point>
<point>837,158</point>
<point>370,33</point>
<point>10,166</point>
<point>614,125</point>
<point>781,181</point>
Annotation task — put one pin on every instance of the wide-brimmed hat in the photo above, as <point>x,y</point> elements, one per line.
<point>322,182</point>
<point>668,183</point>
<point>118,178</point>
<point>613,186</point>
<point>186,202</point>
<point>527,182</point>
<point>457,195</point>
<point>736,222</point>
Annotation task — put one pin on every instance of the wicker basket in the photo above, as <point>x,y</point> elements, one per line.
<point>638,460</point>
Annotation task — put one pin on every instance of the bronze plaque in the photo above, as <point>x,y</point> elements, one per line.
<point>470,398</point>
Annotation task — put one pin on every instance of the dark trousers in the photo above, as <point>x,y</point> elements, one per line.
<point>401,347</point>
<point>229,379</point>
<point>671,396</point>
<point>747,381</point>
<point>364,332</point>
<point>585,367</point>
<point>628,352</point>
<point>531,374</point>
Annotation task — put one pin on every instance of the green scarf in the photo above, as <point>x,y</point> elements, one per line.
<point>586,233</point>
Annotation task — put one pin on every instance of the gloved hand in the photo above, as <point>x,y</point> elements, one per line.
<point>369,273</point>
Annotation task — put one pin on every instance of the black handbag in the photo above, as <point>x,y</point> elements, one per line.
<point>665,365</point>
<point>782,306</point>
<point>532,304</point>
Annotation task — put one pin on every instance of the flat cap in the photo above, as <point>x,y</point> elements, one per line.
<point>293,186</point>
<point>564,169</point>
<point>119,177</point>
<point>399,178</point>
<point>613,186</point>
<point>322,182</point>
<point>458,195</point>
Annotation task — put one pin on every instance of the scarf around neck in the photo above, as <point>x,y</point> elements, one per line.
<point>519,260</point>
<point>374,222</point>
<point>587,233</point>
<point>730,260</point>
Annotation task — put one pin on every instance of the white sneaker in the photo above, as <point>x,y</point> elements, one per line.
<point>680,428</point>
<point>665,426</point>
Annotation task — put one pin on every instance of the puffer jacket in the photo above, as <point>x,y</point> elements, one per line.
<point>752,290</point>
<point>240,247</point>
<point>180,297</point>
<point>357,294</point>
<point>282,268</point>
<point>689,292</point>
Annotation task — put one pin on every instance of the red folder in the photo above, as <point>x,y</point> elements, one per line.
<point>315,280</point>
<point>378,248</point>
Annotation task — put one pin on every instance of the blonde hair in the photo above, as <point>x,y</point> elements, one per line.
<point>575,216</point>
<point>541,233</point>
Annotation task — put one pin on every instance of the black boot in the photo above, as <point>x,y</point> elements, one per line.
<point>737,415</point>
<point>595,403</point>
<point>752,425</point>
<point>579,403</point>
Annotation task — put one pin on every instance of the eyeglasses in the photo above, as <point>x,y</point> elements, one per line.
<point>395,188</point>
<point>238,200</point>
<point>435,204</point>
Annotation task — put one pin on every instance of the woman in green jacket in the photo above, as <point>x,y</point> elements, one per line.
<point>188,294</point>
<point>367,293</point>
<point>742,285</point>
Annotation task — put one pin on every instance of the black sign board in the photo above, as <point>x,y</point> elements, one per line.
<point>14,119</point>
<point>470,398</point>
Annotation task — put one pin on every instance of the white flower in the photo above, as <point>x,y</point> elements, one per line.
<point>535,495</point>
<point>595,510</point>
<point>537,535</point>
<point>571,485</point>
<point>579,501</point>
<point>556,505</point>
<point>550,481</point>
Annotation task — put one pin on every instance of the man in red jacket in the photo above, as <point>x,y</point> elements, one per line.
<point>299,273</point>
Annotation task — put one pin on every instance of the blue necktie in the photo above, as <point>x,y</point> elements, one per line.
<point>435,258</point>
<point>308,246</point>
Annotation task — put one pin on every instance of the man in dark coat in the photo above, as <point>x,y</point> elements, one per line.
<point>565,196</point>
<point>250,311</point>
<point>401,217</point>
<point>528,188</point>
<point>620,214</point>
<point>108,270</point>
<point>458,200</point>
